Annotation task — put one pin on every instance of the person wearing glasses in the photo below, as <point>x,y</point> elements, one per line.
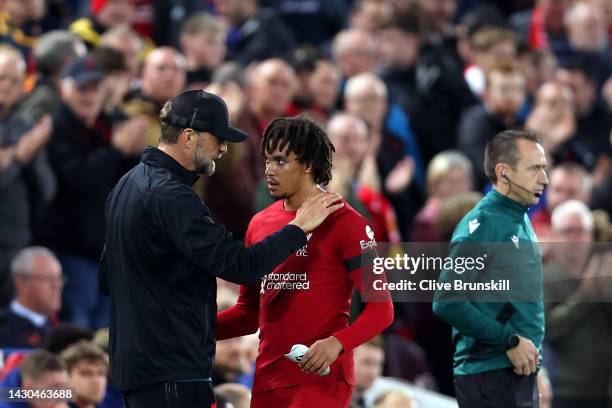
<point>38,279</point>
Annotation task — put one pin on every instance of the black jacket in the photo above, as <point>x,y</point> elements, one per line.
<point>163,253</point>
<point>433,94</point>
<point>19,332</point>
<point>87,167</point>
<point>261,37</point>
<point>476,128</point>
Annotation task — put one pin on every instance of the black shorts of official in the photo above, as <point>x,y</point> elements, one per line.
<point>197,394</point>
<point>497,389</point>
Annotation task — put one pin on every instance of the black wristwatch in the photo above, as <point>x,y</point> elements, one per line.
<point>512,341</point>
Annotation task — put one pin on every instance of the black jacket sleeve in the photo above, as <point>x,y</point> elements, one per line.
<point>185,221</point>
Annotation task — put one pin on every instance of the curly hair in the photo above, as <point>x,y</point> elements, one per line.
<point>303,136</point>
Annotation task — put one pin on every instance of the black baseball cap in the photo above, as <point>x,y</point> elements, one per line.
<point>204,112</point>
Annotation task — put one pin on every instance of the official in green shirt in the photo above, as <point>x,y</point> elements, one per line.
<point>498,330</point>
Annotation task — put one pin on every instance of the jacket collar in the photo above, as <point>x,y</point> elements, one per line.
<point>157,158</point>
<point>514,207</point>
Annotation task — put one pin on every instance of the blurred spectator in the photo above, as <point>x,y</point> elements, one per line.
<point>449,173</point>
<point>123,39</point>
<point>349,135</point>
<point>38,280</point>
<point>87,372</point>
<point>602,194</point>
<point>369,359</point>
<point>482,17</point>
<point>163,78</point>
<point>113,398</point>
<point>587,33</point>
<point>539,67</point>
<point>452,211</point>
<point>22,22</point>
<point>202,41</point>
<point>64,335</point>
<point>319,84</point>
<point>89,152</point>
<point>255,33</point>
<point>230,361</point>
<point>503,97</point>
<point>392,144</point>
<point>237,395</point>
<point>567,181</point>
<point>488,47</point>
<point>355,52</point>
<point>438,15</point>
<point>394,399</point>
<point>574,317</point>
<point>230,191</point>
<point>543,26</point>
<point>230,358</point>
<point>116,82</point>
<point>27,182</point>
<point>324,85</point>
<point>313,22</point>
<point>370,15</point>
<point>41,369</point>
<point>53,52</point>
<point>586,27</point>
<point>553,118</point>
<point>592,136</point>
<point>431,93</point>
<point>606,8</point>
<point>166,18</point>
<point>105,14</point>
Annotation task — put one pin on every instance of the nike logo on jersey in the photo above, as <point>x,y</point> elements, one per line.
<point>473,225</point>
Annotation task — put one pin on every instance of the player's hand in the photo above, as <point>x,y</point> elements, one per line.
<point>320,355</point>
<point>524,357</point>
<point>315,209</point>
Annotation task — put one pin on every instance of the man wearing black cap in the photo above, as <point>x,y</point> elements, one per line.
<point>163,254</point>
<point>89,151</point>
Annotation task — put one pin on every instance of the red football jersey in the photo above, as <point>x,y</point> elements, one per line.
<point>307,298</point>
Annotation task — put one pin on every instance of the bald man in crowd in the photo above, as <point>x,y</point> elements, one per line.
<point>163,77</point>
<point>229,192</point>
<point>38,279</point>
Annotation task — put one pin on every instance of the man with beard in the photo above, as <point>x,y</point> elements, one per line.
<point>164,251</point>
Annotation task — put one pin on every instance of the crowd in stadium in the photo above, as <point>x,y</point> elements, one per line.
<point>409,92</point>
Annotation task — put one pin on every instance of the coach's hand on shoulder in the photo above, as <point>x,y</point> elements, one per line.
<point>524,357</point>
<point>315,209</point>
<point>320,355</point>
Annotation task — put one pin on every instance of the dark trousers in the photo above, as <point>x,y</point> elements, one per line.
<point>198,394</point>
<point>564,402</point>
<point>497,389</point>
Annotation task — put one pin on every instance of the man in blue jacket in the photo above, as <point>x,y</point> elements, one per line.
<point>498,333</point>
<point>164,252</point>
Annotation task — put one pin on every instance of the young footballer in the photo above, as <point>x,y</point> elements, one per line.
<point>306,299</point>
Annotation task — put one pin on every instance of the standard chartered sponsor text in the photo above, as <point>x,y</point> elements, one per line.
<point>286,281</point>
